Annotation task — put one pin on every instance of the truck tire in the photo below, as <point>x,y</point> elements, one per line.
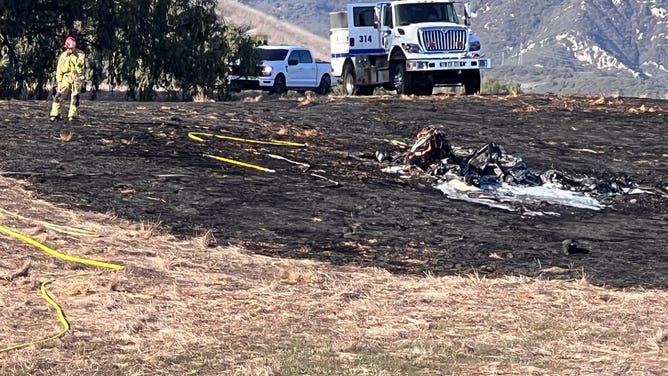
<point>279,85</point>
<point>325,86</point>
<point>402,80</point>
<point>348,79</point>
<point>472,81</point>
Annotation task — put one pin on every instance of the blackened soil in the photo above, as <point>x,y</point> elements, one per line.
<point>136,160</point>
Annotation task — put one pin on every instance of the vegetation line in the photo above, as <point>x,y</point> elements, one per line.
<point>54,227</point>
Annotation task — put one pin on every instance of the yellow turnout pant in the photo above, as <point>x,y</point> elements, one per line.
<point>67,85</point>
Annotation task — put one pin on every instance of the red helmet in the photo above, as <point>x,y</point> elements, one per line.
<point>70,43</point>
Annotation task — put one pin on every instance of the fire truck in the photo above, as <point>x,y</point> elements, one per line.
<point>409,46</point>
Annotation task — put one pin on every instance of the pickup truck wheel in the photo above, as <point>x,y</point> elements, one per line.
<point>402,79</point>
<point>348,80</point>
<point>472,82</point>
<point>279,85</point>
<point>325,85</point>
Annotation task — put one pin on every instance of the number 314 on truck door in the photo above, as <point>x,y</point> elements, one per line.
<point>365,38</point>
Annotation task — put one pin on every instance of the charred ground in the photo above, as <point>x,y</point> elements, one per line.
<point>136,160</point>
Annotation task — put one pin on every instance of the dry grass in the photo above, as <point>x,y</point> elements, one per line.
<point>191,307</point>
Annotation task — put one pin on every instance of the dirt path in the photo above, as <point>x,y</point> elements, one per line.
<point>136,160</point>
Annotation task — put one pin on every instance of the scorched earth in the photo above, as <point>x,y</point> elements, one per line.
<point>322,194</point>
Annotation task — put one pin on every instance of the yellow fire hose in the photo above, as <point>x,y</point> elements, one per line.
<point>57,254</point>
<point>59,313</point>
<point>199,137</point>
<point>44,292</point>
<point>238,163</point>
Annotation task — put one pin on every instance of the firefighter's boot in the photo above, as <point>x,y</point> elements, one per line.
<point>73,114</point>
<point>55,112</point>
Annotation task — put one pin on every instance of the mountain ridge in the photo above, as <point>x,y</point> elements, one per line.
<point>610,48</point>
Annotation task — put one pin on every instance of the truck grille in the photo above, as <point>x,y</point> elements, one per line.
<point>444,39</point>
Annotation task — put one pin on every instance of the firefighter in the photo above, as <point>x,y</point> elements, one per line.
<point>69,77</point>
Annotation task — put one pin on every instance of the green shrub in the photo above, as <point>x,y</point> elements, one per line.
<point>499,87</point>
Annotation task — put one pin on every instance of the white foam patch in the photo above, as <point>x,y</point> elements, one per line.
<point>517,198</point>
<point>394,170</point>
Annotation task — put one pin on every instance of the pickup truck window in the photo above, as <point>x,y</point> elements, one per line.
<point>305,57</point>
<point>273,55</point>
<point>294,57</point>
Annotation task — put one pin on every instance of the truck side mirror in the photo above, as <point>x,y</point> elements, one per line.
<point>467,14</point>
<point>293,61</point>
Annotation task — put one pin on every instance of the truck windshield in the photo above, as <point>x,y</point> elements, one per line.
<point>273,55</point>
<point>425,12</point>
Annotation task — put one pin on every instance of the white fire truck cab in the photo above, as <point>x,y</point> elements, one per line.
<point>405,45</point>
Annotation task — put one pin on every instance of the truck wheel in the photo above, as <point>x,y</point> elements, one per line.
<point>402,79</point>
<point>472,82</point>
<point>279,85</point>
<point>325,86</point>
<point>348,80</point>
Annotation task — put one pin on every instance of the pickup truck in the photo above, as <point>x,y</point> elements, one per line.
<point>285,68</point>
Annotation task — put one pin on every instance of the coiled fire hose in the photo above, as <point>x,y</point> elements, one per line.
<point>43,290</point>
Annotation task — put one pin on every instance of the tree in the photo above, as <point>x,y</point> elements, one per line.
<point>178,45</point>
<point>27,44</point>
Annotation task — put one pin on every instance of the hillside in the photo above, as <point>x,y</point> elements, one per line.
<point>617,48</point>
<point>613,48</point>
<point>277,31</point>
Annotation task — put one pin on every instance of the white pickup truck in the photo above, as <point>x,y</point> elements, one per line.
<point>286,68</point>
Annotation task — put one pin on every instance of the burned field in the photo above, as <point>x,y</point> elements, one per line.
<point>326,197</point>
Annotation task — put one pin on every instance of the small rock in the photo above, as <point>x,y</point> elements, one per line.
<point>570,247</point>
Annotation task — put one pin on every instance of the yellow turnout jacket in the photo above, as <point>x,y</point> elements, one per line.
<point>70,66</point>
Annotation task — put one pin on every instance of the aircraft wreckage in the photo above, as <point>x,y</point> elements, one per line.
<point>491,177</point>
